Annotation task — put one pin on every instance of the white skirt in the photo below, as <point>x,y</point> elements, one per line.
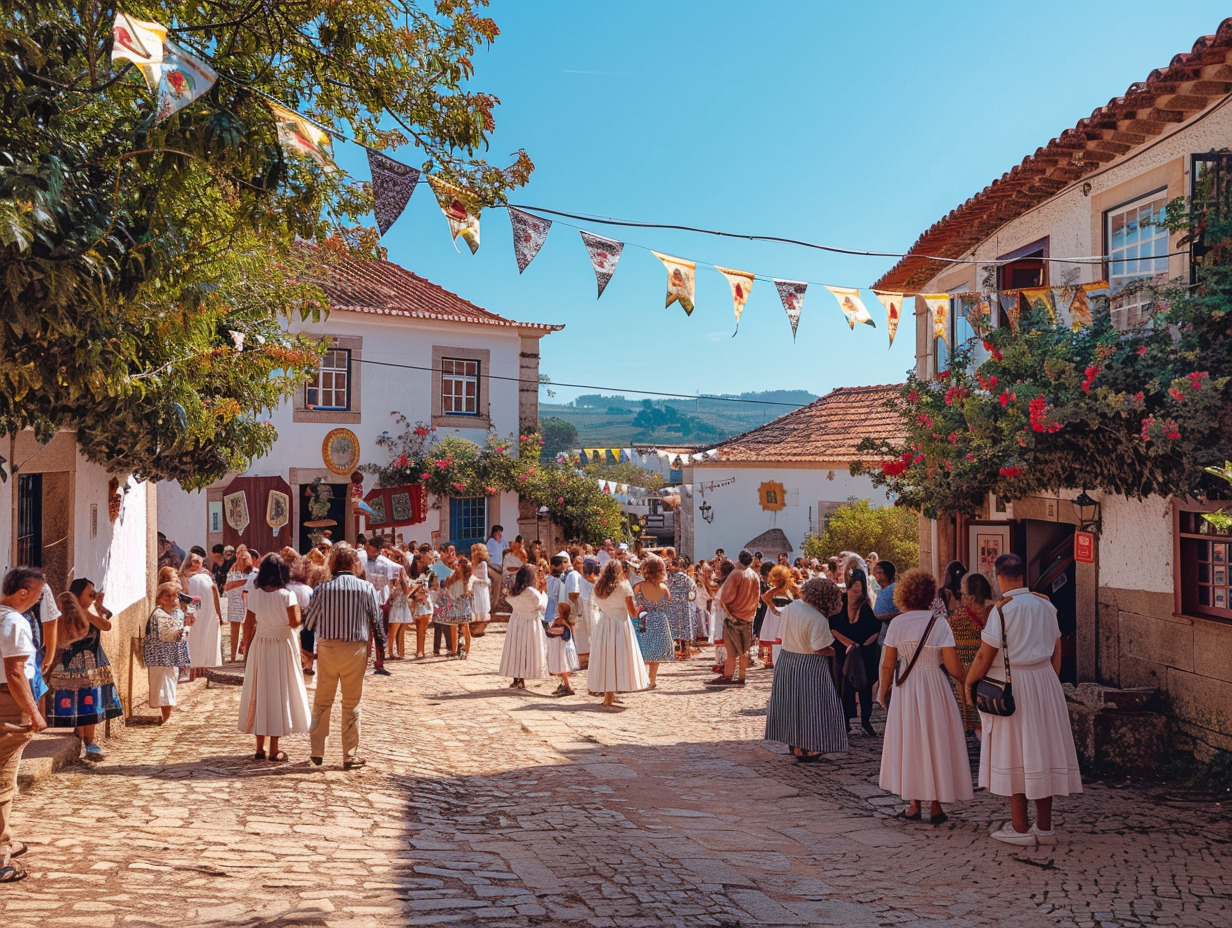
<point>205,642</point>
<point>163,684</point>
<point>562,656</point>
<point>400,613</point>
<point>584,628</point>
<point>525,653</point>
<point>1032,751</point>
<point>924,751</point>
<point>616,664</point>
<point>273,701</point>
<point>481,607</point>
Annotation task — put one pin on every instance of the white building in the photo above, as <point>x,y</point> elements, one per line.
<point>788,474</point>
<point>399,343</point>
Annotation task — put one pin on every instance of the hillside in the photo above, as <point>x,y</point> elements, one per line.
<point>619,421</point>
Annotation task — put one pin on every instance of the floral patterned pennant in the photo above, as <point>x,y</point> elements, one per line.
<point>462,211</point>
<point>529,233</point>
<point>1041,295</point>
<point>791,292</point>
<point>1010,306</point>
<point>939,309</point>
<point>680,281</point>
<point>141,43</point>
<point>299,136</point>
<point>604,256</point>
<point>184,78</point>
<point>893,303</point>
<point>392,185</point>
<point>852,306</point>
<point>741,283</point>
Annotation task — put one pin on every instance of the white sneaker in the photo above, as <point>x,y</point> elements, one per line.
<point>1044,838</point>
<point>1008,835</point>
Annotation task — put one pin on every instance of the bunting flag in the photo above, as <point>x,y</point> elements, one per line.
<point>299,136</point>
<point>970,303</point>
<point>529,233</point>
<point>392,185</point>
<point>462,211</point>
<point>852,306</point>
<point>939,309</point>
<point>680,281</point>
<point>984,310</point>
<point>1041,295</point>
<point>791,292</point>
<point>615,453</point>
<point>604,255</point>
<point>141,43</point>
<point>1079,309</point>
<point>741,283</point>
<point>1010,306</point>
<point>183,78</point>
<point>893,303</point>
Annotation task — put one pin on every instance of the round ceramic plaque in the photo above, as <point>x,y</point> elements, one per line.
<point>340,450</point>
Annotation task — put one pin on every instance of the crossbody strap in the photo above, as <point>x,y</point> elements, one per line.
<point>1005,652</point>
<point>899,681</point>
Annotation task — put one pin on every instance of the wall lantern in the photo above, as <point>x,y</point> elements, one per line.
<point>1089,513</point>
<point>706,511</point>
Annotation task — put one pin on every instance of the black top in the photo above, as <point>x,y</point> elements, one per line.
<point>859,631</point>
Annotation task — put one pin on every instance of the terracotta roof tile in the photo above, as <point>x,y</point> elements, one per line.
<point>827,429</point>
<point>1190,83</point>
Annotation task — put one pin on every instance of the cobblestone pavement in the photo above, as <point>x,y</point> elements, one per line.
<point>482,806</point>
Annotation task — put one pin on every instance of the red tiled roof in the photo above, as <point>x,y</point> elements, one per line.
<point>360,285</point>
<point>827,429</point>
<point>1169,96</point>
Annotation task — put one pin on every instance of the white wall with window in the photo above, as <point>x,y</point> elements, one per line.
<point>459,387</point>
<point>1137,248</point>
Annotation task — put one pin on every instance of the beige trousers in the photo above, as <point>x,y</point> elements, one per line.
<point>339,663</point>
<point>11,746</point>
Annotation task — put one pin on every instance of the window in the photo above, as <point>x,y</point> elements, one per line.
<point>1025,267</point>
<point>459,387</point>
<point>1211,197</point>
<point>30,520</point>
<point>468,522</point>
<point>330,390</point>
<point>960,331</point>
<point>1203,568</point>
<point>1137,249</point>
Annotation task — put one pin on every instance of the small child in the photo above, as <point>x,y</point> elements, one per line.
<point>562,653</point>
<point>399,616</point>
<point>421,599</point>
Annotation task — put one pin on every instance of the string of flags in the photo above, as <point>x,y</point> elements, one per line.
<point>177,78</point>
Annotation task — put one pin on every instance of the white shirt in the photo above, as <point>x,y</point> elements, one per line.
<point>48,610</point>
<point>15,638</point>
<point>804,630</point>
<point>1032,630</point>
<point>604,557</point>
<point>573,584</point>
<point>381,571</point>
<point>496,551</point>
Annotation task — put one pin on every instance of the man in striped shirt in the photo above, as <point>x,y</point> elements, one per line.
<point>343,612</point>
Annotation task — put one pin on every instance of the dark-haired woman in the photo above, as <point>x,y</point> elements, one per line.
<point>273,702</point>
<point>856,628</point>
<point>525,654</point>
<point>969,604</point>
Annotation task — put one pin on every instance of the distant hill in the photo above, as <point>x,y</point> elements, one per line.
<point>618,421</point>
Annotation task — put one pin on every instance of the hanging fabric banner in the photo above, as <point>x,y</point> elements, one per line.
<point>1079,309</point>
<point>852,306</point>
<point>741,283</point>
<point>893,303</point>
<point>392,185</point>
<point>681,276</point>
<point>604,255</point>
<point>1090,295</point>
<point>983,311</point>
<point>970,305</point>
<point>529,233</point>
<point>299,136</point>
<point>1041,295</point>
<point>1010,306</point>
<point>462,211</point>
<point>184,78</point>
<point>791,292</point>
<point>141,43</point>
<point>939,309</point>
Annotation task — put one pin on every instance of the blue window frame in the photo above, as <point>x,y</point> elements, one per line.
<point>468,522</point>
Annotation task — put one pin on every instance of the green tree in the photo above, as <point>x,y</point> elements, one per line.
<point>148,269</point>
<point>558,435</point>
<point>859,526</point>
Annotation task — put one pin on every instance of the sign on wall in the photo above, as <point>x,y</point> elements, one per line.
<point>1084,547</point>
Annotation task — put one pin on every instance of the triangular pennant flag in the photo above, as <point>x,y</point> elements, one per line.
<point>1079,309</point>
<point>604,255</point>
<point>939,309</point>
<point>983,309</point>
<point>1010,306</point>
<point>1097,295</point>
<point>392,185</point>
<point>970,303</point>
<point>462,211</point>
<point>184,78</point>
<point>791,292</point>
<point>299,136</point>
<point>615,453</point>
<point>529,233</point>
<point>741,283</point>
<point>680,281</point>
<point>852,306</point>
<point>141,43</point>
<point>1041,295</point>
<point>893,303</point>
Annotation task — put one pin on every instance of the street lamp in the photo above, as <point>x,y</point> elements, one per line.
<point>1089,512</point>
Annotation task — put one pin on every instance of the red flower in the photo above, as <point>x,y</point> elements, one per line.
<point>1195,379</point>
<point>459,487</point>
<point>1176,394</point>
<point>1171,430</point>
<point>1147,423</point>
<point>1010,472</point>
<point>1005,397</point>
<point>560,499</point>
<point>424,476</point>
<point>943,376</point>
<point>1037,409</point>
<point>893,468</point>
<point>1141,350</point>
<point>523,438</point>
<point>521,478</point>
<point>491,491</point>
<point>421,431</point>
<point>952,438</point>
<point>923,420</point>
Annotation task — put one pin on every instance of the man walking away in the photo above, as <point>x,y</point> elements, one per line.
<point>739,595</point>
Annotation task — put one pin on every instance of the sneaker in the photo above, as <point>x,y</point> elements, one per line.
<point>94,752</point>
<point>1008,835</point>
<point>1044,838</point>
<point>719,681</point>
<point>382,672</point>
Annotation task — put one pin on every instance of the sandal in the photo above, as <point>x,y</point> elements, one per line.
<point>903,814</point>
<point>259,755</point>
<point>17,848</point>
<point>12,874</point>
<point>279,758</point>
<point>808,757</point>
<point>938,819</point>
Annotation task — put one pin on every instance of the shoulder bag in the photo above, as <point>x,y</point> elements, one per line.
<point>899,681</point>
<point>991,697</point>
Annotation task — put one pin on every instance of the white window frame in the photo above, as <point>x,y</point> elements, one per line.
<point>1125,261</point>
<point>335,363</point>
<point>456,375</point>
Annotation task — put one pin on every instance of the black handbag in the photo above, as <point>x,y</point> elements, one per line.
<point>992,697</point>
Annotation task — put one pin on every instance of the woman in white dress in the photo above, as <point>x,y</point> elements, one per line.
<point>205,634</point>
<point>399,615</point>
<point>616,664</point>
<point>584,622</point>
<point>525,654</point>
<point>273,702</point>
<point>481,584</point>
<point>924,753</point>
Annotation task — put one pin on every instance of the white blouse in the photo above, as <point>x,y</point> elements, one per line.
<point>1031,629</point>
<point>804,629</point>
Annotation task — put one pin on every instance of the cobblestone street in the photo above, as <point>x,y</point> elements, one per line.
<point>482,806</point>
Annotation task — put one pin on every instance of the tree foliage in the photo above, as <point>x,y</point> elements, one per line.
<point>558,435</point>
<point>859,526</point>
<point>147,270</point>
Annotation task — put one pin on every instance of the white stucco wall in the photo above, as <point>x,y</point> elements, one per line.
<point>738,516</point>
<point>1135,547</point>
<point>115,557</point>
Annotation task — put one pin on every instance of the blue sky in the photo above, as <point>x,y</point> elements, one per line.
<point>856,125</point>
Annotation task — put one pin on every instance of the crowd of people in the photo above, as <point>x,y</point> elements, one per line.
<point>836,635</point>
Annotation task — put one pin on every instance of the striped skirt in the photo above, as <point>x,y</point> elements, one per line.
<point>804,708</point>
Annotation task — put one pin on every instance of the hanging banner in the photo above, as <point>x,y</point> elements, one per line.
<point>741,283</point>
<point>983,310</point>
<point>141,43</point>
<point>235,506</point>
<point>184,78</point>
<point>392,185</point>
<point>1010,306</point>
<point>852,306</point>
<point>680,281</point>
<point>791,292</point>
<point>1079,309</point>
<point>462,211</point>
<point>277,510</point>
<point>1090,295</point>
<point>299,136</point>
<point>1041,295</point>
<point>604,255</point>
<point>970,304</point>
<point>893,303</point>
<point>529,233</point>
<point>939,309</point>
